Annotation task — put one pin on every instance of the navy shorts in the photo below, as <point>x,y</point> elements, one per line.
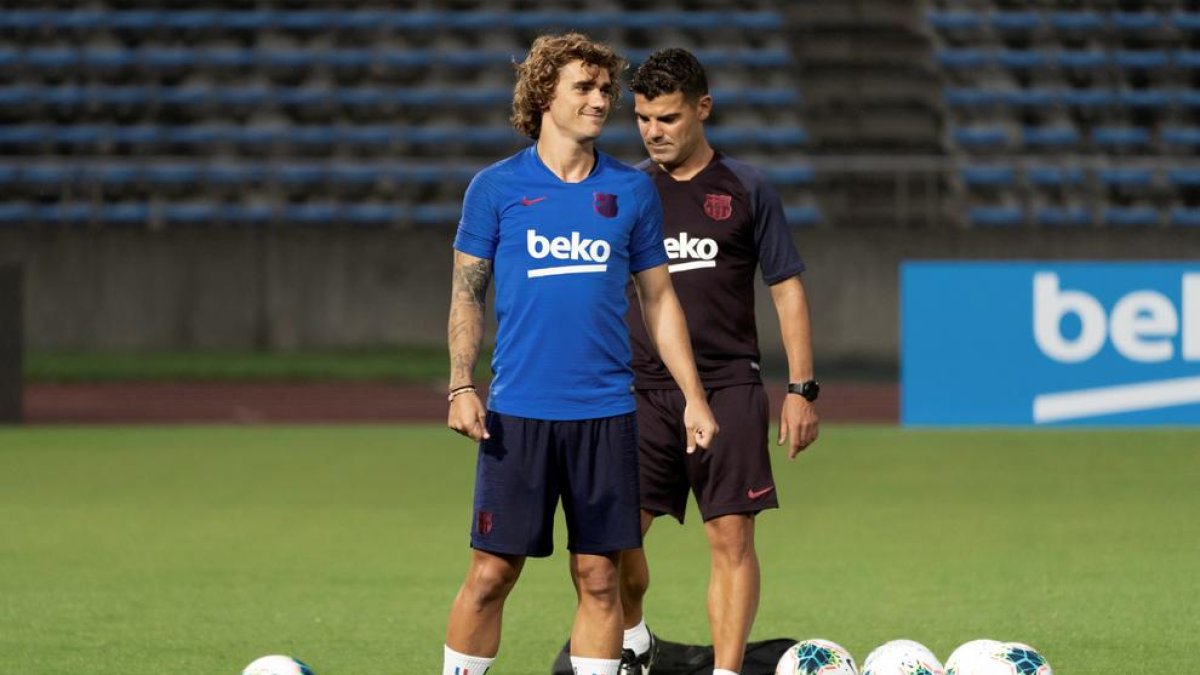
<point>732,476</point>
<point>528,465</point>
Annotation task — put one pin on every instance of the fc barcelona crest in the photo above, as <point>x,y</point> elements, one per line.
<point>605,204</point>
<point>718,207</point>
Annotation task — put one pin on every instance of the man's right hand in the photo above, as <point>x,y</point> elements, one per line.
<point>467,416</point>
<point>701,425</point>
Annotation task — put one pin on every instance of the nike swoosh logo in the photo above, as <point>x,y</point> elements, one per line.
<point>525,201</point>
<point>755,494</point>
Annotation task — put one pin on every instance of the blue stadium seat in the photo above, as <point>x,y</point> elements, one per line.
<point>378,137</point>
<point>305,22</point>
<point>954,21</point>
<point>801,174</point>
<point>1130,216</point>
<point>69,214</point>
<point>139,136</point>
<point>1126,177</point>
<point>235,176</point>
<point>995,216</point>
<point>49,178</point>
<point>1182,216</point>
<point>192,214</point>
<point>1187,22</point>
<point>435,214</point>
<point>1149,99</point>
<point>1054,176</point>
<point>1039,99</point>
<point>226,59</point>
<point>1050,137</point>
<point>373,215</point>
<point>23,21</point>
<point>1184,177</point>
<point>167,61</point>
<point>1181,137</point>
<point>79,22</point>
<point>318,214</point>
<point>1136,21</point>
<point>15,214</point>
<point>803,215</point>
<point>1016,22</point>
<point>52,59</point>
<point>981,138</point>
<point>299,175</point>
<point>9,176</point>
<point>1144,59</point>
<point>361,21</point>
<point>22,138</point>
<point>1087,98</point>
<point>1057,216</point>
<point>115,176</point>
<point>125,214</point>
<point>254,21</point>
<point>195,136</point>
<point>1188,99</point>
<point>190,21</point>
<point>1022,59</point>
<point>80,137</point>
<point>1076,22</point>
<point>247,215</point>
<point>355,175</point>
<point>174,175</point>
<point>135,23</point>
<point>966,98</point>
<point>1187,59</point>
<point>988,176</point>
<point>961,59</point>
<point>1081,59</point>
<point>1121,138</point>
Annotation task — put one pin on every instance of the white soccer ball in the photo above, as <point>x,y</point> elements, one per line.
<point>989,657</point>
<point>277,665</point>
<point>973,657</point>
<point>902,657</point>
<point>816,657</point>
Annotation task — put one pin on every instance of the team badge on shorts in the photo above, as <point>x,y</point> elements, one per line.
<point>718,207</point>
<point>483,523</point>
<point>605,204</point>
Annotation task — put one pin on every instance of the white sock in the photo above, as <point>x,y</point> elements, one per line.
<point>454,663</point>
<point>722,671</point>
<point>583,666</point>
<point>637,638</point>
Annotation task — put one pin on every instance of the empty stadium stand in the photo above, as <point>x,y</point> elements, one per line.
<point>1081,114</point>
<point>242,113</point>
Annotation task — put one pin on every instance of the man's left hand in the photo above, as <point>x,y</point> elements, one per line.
<point>798,423</point>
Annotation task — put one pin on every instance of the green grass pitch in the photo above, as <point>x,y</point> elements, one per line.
<point>194,550</point>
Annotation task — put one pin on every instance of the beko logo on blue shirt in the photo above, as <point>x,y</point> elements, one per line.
<point>576,248</point>
<point>1040,343</point>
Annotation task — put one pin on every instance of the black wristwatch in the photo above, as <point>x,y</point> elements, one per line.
<point>809,389</point>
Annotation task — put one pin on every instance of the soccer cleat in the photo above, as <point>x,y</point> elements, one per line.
<point>634,664</point>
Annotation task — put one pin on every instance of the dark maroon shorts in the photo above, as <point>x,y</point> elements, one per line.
<point>732,476</point>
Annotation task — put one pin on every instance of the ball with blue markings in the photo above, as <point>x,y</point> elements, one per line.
<point>816,657</point>
<point>276,664</point>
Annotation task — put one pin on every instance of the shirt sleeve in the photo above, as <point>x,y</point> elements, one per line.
<point>777,255</point>
<point>646,247</point>
<point>479,229</point>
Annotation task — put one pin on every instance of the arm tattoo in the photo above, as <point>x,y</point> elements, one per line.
<point>467,302</point>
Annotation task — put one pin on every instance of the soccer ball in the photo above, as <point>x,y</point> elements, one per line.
<point>278,665</point>
<point>989,657</point>
<point>902,657</point>
<point>816,657</point>
<point>973,657</point>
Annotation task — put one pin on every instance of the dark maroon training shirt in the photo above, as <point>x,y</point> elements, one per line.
<point>720,226</point>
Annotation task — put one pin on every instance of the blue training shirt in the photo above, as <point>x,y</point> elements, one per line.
<point>562,254</point>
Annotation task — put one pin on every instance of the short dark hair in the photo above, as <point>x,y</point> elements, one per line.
<point>669,70</point>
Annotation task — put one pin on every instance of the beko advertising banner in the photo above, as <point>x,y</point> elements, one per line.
<point>1030,343</point>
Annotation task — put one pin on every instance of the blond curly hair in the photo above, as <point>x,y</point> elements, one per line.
<point>537,75</point>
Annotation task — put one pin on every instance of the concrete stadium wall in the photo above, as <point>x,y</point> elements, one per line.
<point>243,289</point>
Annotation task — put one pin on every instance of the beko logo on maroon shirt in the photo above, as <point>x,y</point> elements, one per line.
<point>701,252</point>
